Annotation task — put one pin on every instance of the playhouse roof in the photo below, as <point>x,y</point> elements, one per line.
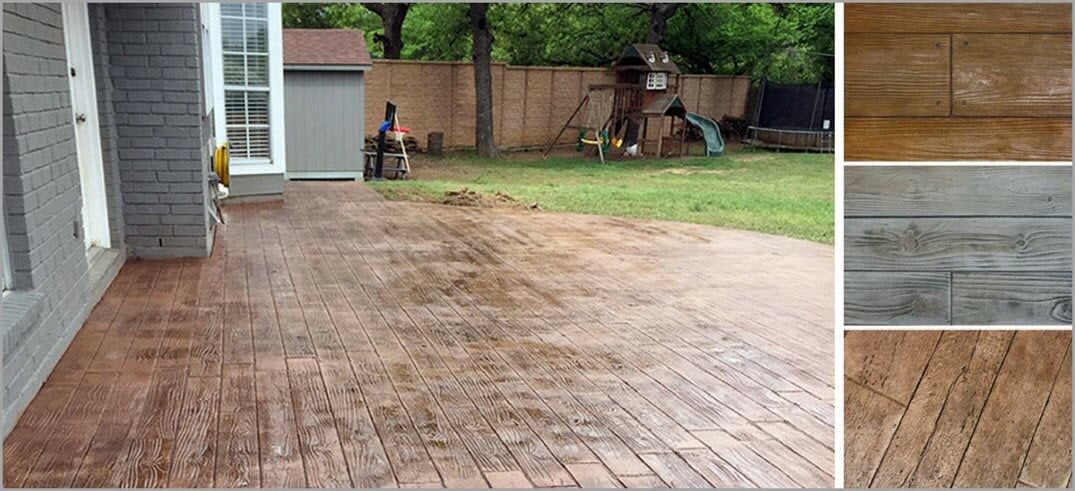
<point>645,57</point>
<point>339,47</point>
<point>666,105</point>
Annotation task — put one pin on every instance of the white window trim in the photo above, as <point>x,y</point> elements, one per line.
<point>656,81</point>
<point>276,164</point>
<point>209,68</point>
<point>5,254</point>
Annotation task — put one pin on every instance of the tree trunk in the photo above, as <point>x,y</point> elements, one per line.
<point>659,13</point>
<point>483,79</point>
<point>392,16</point>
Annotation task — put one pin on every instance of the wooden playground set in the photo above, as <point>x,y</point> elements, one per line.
<point>616,118</point>
<point>640,114</point>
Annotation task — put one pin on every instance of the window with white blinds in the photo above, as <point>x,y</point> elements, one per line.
<point>245,46</point>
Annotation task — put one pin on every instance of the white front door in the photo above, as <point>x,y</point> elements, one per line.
<point>76,33</point>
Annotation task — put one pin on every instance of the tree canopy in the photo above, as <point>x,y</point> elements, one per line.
<point>784,43</point>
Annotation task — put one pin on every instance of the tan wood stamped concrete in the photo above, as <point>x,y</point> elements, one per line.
<point>340,340</point>
<point>965,409</point>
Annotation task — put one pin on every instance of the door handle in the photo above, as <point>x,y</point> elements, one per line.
<point>80,117</point>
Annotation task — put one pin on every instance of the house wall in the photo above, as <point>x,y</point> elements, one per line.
<point>148,75</point>
<point>530,104</point>
<point>324,123</point>
<point>156,73</point>
<point>54,286</point>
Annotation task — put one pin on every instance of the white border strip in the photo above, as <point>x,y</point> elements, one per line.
<point>838,254</point>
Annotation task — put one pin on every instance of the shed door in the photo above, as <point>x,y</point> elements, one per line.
<point>324,127</point>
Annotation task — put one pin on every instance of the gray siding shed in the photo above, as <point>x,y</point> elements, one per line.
<point>325,130</point>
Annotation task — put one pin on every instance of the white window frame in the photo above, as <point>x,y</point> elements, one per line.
<point>208,62</point>
<point>5,254</point>
<point>275,164</point>
<point>656,81</point>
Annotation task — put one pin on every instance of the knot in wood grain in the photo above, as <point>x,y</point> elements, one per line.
<point>909,240</point>
<point>1021,243</point>
<point>920,304</point>
<point>1062,311</point>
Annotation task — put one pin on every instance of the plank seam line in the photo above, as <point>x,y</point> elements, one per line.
<point>944,405</point>
<point>988,395</point>
<point>1037,426</point>
<point>918,383</point>
<point>874,391</point>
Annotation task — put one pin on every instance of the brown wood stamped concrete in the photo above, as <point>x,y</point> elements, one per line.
<point>965,409</point>
<point>340,340</point>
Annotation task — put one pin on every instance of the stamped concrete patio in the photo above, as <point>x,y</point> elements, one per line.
<point>340,340</point>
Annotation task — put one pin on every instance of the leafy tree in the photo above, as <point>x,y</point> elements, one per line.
<point>659,13</point>
<point>392,16</point>
<point>317,15</point>
<point>784,43</point>
<point>437,31</point>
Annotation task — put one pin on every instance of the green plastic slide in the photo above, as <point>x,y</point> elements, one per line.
<point>714,143</point>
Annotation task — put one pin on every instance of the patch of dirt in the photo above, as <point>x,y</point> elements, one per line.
<point>470,197</point>
<point>686,171</point>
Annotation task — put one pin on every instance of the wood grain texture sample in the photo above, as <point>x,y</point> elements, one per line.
<point>959,245</point>
<point>900,298</point>
<point>983,410</point>
<point>1011,75</point>
<point>958,82</point>
<point>884,139</point>
<point>901,191</point>
<point>913,81</point>
<point>1011,298</point>
<point>957,17</point>
<point>889,362</point>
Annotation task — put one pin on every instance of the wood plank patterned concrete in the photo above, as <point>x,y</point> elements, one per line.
<point>340,340</point>
<point>959,245</point>
<point>966,409</point>
<point>958,82</point>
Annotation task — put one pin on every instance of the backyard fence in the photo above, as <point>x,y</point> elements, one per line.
<point>530,104</point>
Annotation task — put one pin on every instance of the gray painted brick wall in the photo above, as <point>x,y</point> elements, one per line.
<point>156,73</point>
<point>42,200</point>
<point>148,73</point>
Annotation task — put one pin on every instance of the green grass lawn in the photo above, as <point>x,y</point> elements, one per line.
<point>787,194</point>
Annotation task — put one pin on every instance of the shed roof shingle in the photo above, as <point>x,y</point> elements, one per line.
<point>345,47</point>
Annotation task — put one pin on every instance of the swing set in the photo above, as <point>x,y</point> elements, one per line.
<point>599,104</point>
